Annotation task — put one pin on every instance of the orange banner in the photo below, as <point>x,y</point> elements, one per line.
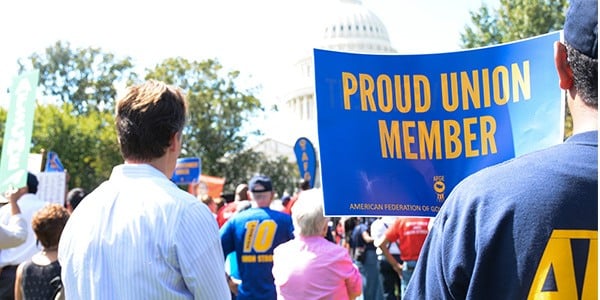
<point>211,185</point>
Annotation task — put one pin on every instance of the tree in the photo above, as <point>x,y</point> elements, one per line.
<point>86,78</point>
<point>283,173</point>
<point>3,116</point>
<point>78,123</point>
<point>239,167</point>
<point>218,111</point>
<point>243,165</point>
<point>515,20</point>
<point>86,144</point>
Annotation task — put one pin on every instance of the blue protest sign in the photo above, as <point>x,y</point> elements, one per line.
<point>306,159</point>
<point>398,132</point>
<point>187,170</point>
<point>53,163</point>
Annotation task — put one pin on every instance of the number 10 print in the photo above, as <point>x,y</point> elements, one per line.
<point>259,236</point>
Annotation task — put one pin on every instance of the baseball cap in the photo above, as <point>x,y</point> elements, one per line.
<point>260,183</point>
<point>581,27</point>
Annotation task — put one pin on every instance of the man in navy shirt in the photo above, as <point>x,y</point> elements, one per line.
<point>253,234</point>
<point>527,228</point>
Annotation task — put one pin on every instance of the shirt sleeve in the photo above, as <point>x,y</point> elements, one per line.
<point>14,233</point>
<point>291,229</point>
<point>445,262</point>
<point>391,233</point>
<point>353,277</point>
<point>200,254</point>
<point>378,232</point>
<point>227,234</point>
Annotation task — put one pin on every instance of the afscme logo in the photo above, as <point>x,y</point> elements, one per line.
<point>568,268</point>
<point>439,186</point>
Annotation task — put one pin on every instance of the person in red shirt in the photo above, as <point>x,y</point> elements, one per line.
<point>410,233</point>
<point>240,202</point>
<point>303,186</point>
<point>285,202</point>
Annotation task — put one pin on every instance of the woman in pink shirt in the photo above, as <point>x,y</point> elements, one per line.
<point>309,266</point>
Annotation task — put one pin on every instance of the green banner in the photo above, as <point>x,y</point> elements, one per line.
<point>17,132</point>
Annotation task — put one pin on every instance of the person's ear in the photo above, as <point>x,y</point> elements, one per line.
<point>174,142</point>
<point>565,74</point>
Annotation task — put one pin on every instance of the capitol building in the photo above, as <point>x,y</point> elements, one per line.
<point>347,26</point>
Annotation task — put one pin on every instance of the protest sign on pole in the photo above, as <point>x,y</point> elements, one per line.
<point>18,130</point>
<point>187,170</point>
<point>52,187</point>
<point>398,132</point>
<point>210,185</point>
<point>53,163</point>
<point>34,162</point>
<point>306,159</point>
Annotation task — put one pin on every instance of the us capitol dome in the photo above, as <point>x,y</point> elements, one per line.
<point>347,26</point>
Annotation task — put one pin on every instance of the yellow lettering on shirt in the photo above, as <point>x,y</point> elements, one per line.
<point>558,256</point>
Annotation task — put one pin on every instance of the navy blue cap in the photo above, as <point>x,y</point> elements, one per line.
<point>260,183</point>
<point>581,27</point>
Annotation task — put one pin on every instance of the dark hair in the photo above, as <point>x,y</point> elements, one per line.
<point>304,184</point>
<point>32,183</point>
<point>228,197</point>
<point>585,75</point>
<point>75,196</point>
<point>147,117</point>
<point>349,225</point>
<point>48,224</point>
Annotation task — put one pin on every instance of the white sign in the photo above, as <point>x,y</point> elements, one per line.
<point>52,187</point>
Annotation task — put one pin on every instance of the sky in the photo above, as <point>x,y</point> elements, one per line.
<point>259,38</point>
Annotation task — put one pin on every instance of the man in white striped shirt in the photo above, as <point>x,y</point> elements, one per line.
<point>138,236</point>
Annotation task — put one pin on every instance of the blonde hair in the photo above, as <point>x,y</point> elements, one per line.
<point>308,214</point>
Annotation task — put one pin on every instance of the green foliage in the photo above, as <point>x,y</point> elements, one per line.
<point>217,112</point>
<point>239,168</point>
<point>86,144</point>
<point>3,115</point>
<point>515,20</point>
<point>283,173</point>
<point>79,88</point>
<point>82,77</point>
<point>243,165</point>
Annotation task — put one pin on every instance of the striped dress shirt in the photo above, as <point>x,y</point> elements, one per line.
<point>139,236</point>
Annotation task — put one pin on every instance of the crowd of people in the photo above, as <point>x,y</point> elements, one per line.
<point>30,230</point>
<point>500,234</point>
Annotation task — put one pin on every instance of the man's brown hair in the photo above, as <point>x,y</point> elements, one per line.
<point>147,117</point>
